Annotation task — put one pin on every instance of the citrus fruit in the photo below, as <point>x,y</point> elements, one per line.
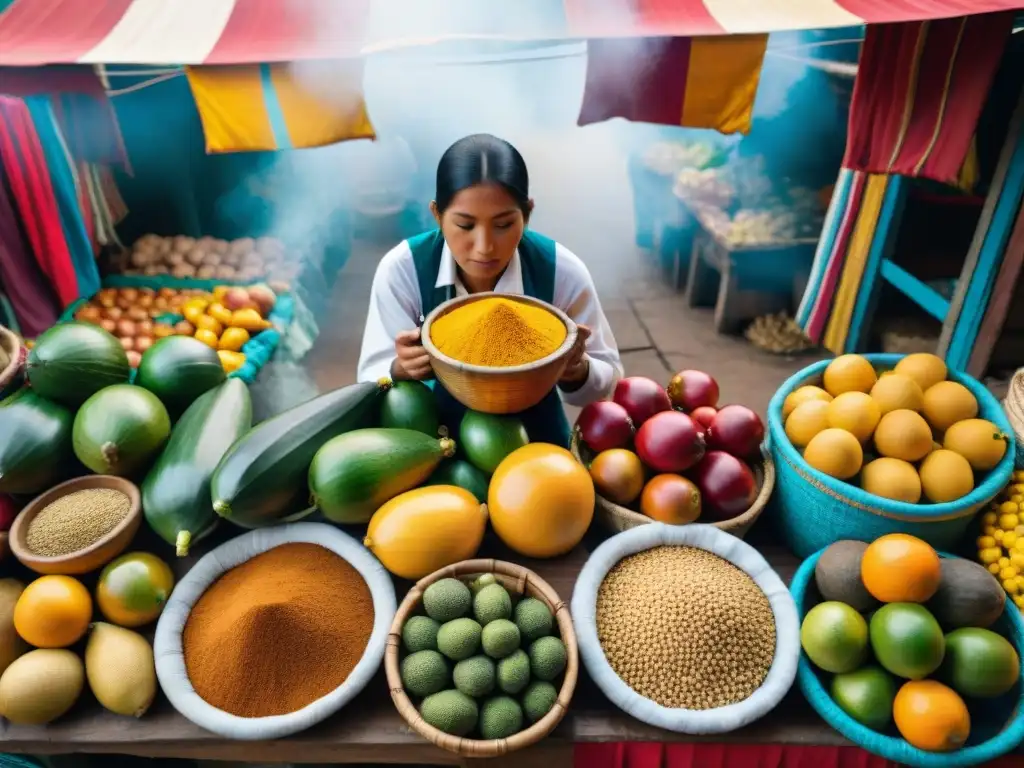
<point>849,373</point>
<point>924,368</point>
<point>897,391</point>
<point>931,716</point>
<point>133,589</point>
<point>903,434</point>
<point>948,402</point>
<point>835,452</point>
<point>891,479</point>
<point>945,476</point>
<point>835,637</point>
<point>801,395</point>
<point>53,612</point>
<point>807,420</point>
<point>855,412</point>
<point>897,568</point>
<point>866,695</point>
<point>979,441</point>
<point>671,499</point>
<point>618,475</point>
<point>979,662</point>
<point>907,640</point>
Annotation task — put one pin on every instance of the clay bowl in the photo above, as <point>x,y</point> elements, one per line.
<point>97,554</point>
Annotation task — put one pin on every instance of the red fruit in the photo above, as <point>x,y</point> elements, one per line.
<point>669,442</point>
<point>604,425</point>
<point>727,485</point>
<point>641,397</point>
<point>737,430</point>
<point>690,390</point>
<point>703,415</point>
<point>8,511</point>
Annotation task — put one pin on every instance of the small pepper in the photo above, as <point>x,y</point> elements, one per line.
<point>231,361</point>
<point>220,313</point>
<point>249,319</point>
<point>209,338</point>
<point>233,339</point>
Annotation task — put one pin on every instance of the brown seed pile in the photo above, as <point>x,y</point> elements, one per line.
<point>75,521</point>
<point>685,628</point>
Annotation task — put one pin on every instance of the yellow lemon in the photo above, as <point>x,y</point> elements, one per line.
<point>924,368</point>
<point>891,479</point>
<point>897,391</point>
<point>849,373</point>
<point>855,412</point>
<point>903,434</point>
<point>800,396</point>
<point>835,452</point>
<point>807,420</point>
<point>945,476</point>
<point>979,441</point>
<point>948,402</point>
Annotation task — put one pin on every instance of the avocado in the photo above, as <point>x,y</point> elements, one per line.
<point>459,639</point>
<point>410,405</point>
<point>837,574</point>
<point>450,711</point>
<point>533,618</point>
<point>420,634</point>
<point>514,672</point>
<point>464,475</point>
<point>547,658</point>
<point>424,673</point>
<point>968,595</point>
<point>447,599</point>
<point>979,663</point>
<point>500,638</point>
<point>486,439</point>
<point>491,603</point>
<point>538,699</point>
<point>500,717</point>
<point>475,676</point>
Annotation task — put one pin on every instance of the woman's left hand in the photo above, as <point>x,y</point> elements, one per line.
<point>578,368</point>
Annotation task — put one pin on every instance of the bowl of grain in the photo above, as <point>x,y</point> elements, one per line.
<point>78,526</point>
<point>686,628</point>
<point>496,352</point>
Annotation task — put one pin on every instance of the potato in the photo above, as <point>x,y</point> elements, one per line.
<point>148,240</point>
<point>174,259</point>
<point>154,269</point>
<point>213,260</point>
<point>165,247</point>
<point>206,272</point>
<point>184,270</point>
<point>196,256</point>
<point>243,245</point>
<point>231,259</point>
<point>142,258</point>
<point>184,244</point>
<point>221,247</point>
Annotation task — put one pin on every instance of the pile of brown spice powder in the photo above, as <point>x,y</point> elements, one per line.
<point>278,632</point>
<point>685,628</point>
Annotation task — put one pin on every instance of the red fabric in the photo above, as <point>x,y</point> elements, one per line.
<point>879,11</point>
<point>919,93</point>
<point>25,165</point>
<point>634,18</point>
<point>704,755</point>
<point>50,31</point>
<point>640,80</point>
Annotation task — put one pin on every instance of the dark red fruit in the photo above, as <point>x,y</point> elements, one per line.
<point>690,390</point>
<point>641,397</point>
<point>727,485</point>
<point>604,425</point>
<point>8,511</point>
<point>703,416</point>
<point>737,430</point>
<point>669,442</point>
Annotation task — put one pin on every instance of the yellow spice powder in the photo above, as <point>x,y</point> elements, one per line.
<point>498,332</point>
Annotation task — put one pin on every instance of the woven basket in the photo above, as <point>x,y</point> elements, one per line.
<point>516,579</point>
<point>814,510</point>
<point>616,518</point>
<point>499,390</point>
<point>997,725</point>
<point>11,344</point>
<point>1013,405</point>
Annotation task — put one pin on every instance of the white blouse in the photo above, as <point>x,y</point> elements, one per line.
<point>395,306</point>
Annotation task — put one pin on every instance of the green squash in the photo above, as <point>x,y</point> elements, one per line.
<point>120,430</point>
<point>35,443</point>
<point>73,361</point>
<point>410,405</point>
<point>464,475</point>
<point>178,369</point>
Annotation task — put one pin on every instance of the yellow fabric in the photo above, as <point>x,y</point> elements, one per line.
<point>236,118</point>
<point>856,258</point>
<point>970,173</point>
<point>721,82</point>
<point>231,108</point>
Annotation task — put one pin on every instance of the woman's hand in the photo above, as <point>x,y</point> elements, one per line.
<point>578,368</point>
<point>411,363</point>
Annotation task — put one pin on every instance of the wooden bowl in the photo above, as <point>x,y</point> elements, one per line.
<point>97,554</point>
<point>514,578</point>
<point>616,518</point>
<point>499,390</point>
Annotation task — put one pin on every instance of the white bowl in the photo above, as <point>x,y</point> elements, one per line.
<point>170,659</point>
<point>721,719</point>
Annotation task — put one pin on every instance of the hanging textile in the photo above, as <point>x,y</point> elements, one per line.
<point>25,162</point>
<point>707,82</point>
<point>280,106</point>
<point>29,292</point>
<point>919,93</point>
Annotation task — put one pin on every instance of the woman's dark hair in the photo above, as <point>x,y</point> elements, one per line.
<point>482,159</point>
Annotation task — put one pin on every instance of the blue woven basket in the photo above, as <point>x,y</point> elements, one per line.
<point>997,725</point>
<point>814,510</point>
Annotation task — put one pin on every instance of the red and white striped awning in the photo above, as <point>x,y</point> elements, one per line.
<point>35,32</point>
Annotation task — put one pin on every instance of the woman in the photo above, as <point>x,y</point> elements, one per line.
<point>482,206</point>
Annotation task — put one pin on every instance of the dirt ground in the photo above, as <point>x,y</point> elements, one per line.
<point>656,332</point>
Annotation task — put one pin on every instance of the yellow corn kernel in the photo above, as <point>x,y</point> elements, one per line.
<point>997,534</point>
<point>1008,572</point>
<point>1017,499</point>
<point>990,555</point>
<point>1010,585</point>
<point>989,518</point>
<point>1019,544</point>
<point>1017,487</point>
<point>1018,476</point>
<point>1008,507</point>
<point>1009,539</point>
<point>1017,559</point>
<point>1019,530</point>
<point>1020,583</point>
<point>1004,562</point>
<point>1019,601</point>
<point>994,569</point>
<point>1008,522</point>
<point>984,542</point>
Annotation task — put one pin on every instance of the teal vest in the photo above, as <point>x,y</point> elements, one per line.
<point>546,421</point>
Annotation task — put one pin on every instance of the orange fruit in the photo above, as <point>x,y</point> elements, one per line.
<point>903,434</point>
<point>807,419</point>
<point>897,568</point>
<point>618,475</point>
<point>849,373</point>
<point>801,395</point>
<point>931,716</point>
<point>855,412</point>
<point>835,452</point>
<point>133,589</point>
<point>948,402</point>
<point>896,391</point>
<point>207,323</point>
<point>53,612</point>
<point>671,499</point>
<point>924,368</point>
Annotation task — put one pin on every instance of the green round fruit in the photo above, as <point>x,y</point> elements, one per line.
<point>419,633</point>
<point>538,699</point>
<point>474,676</point>
<point>73,361</point>
<point>120,430</point>
<point>464,475</point>
<point>548,658</point>
<point>533,618</point>
<point>410,405</point>
<point>459,639</point>
<point>492,603</point>
<point>424,673</point>
<point>500,717</point>
<point>979,663</point>
<point>907,640</point>
<point>500,638</point>
<point>834,637</point>
<point>866,695</point>
<point>178,369</point>
<point>450,711</point>
<point>486,439</point>
<point>447,599</point>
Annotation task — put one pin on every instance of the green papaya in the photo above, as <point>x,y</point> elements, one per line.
<point>463,474</point>
<point>73,361</point>
<point>487,439</point>
<point>354,474</point>
<point>120,430</point>
<point>410,405</point>
<point>178,369</point>
<point>35,443</point>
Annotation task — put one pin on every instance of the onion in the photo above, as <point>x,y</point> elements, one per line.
<point>142,343</point>
<point>161,330</point>
<point>107,301</point>
<point>144,328</point>
<point>167,293</point>
<point>145,301</point>
<point>127,342</point>
<point>124,303</point>
<point>125,328</point>
<point>89,314</point>
<point>130,294</point>
<point>184,328</point>
<point>137,314</point>
<point>114,313</point>
<point>134,358</point>
<point>108,325</point>
<point>160,302</point>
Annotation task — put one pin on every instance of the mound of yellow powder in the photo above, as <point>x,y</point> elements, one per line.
<point>498,332</point>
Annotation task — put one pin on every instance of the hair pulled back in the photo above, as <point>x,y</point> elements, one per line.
<point>482,159</point>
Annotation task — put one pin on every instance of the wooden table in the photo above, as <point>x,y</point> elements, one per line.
<point>369,730</point>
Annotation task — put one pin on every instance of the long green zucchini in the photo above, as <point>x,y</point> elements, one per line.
<point>176,492</point>
<point>262,478</point>
<point>355,473</point>
<point>35,443</point>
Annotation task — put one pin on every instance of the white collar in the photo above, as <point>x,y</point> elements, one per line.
<point>511,281</point>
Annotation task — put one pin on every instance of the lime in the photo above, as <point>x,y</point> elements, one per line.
<point>979,663</point>
<point>907,640</point>
<point>835,637</point>
<point>866,695</point>
<point>133,588</point>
